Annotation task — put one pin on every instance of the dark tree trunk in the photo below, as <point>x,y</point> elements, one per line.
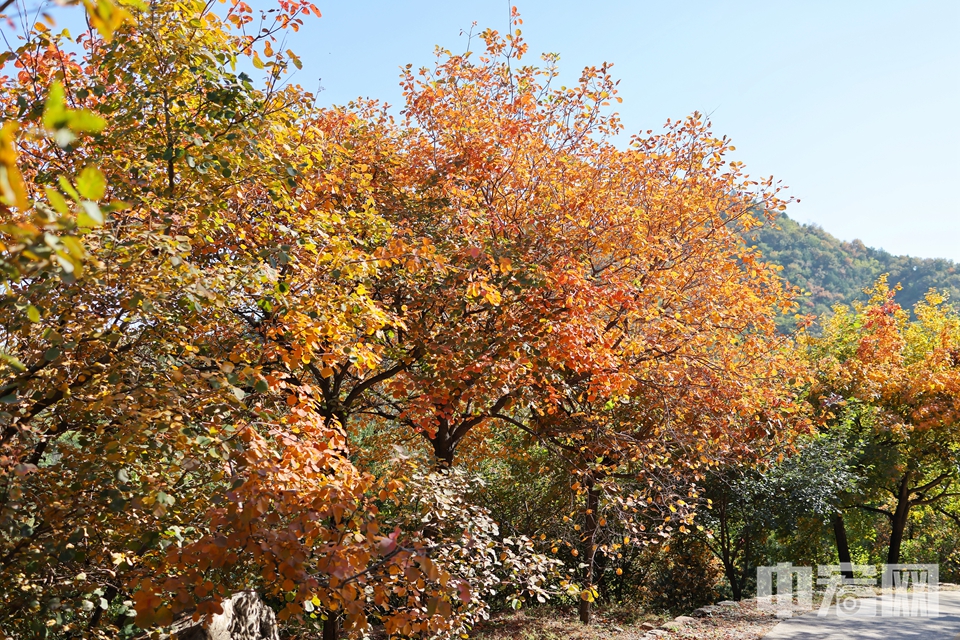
<point>728,552</point>
<point>747,539</point>
<point>899,520</point>
<point>590,545</point>
<point>444,444</point>
<point>443,451</point>
<point>733,577</point>
<point>109,595</point>
<point>331,626</point>
<point>843,547</point>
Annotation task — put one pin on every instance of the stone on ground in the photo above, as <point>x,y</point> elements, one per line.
<point>244,617</point>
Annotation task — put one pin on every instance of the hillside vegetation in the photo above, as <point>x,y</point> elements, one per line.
<point>831,271</point>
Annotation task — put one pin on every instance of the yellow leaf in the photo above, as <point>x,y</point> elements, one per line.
<point>106,17</point>
<point>12,190</point>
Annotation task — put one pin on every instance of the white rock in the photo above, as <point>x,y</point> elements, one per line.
<point>244,617</point>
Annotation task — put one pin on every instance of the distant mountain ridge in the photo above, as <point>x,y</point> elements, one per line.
<point>833,271</point>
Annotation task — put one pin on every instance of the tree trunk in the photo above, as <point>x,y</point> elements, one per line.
<point>331,626</point>
<point>728,552</point>
<point>590,545</point>
<point>899,521</point>
<point>109,595</point>
<point>443,451</point>
<point>444,445</point>
<point>733,577</point>
<point>843,547</point>
<point>747,538</point>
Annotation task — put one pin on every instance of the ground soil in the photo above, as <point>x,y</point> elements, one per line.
<point>733,621</point>
<point>740,621</point>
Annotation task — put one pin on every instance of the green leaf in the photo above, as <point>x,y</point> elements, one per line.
<point>68,188</point>
<point>58,118</point>
<point>115,205</point>
<point>90,215</point>
<point>295,59</point>
<point>13,362</point>
<point>57,201</point>
<point>33,313</point>
<point>51,354</point>
<point>85,121</point>
<point>68,263</point>
<point>91,184</point>
<point>55,110</point>
<point>74,247</point>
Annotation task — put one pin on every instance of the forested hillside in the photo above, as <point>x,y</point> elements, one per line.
<point>832,271</point>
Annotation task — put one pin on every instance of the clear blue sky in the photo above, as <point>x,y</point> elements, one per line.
<point>854,104</point>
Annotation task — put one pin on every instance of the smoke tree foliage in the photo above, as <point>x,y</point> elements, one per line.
<point>160,449</point>
<point>900,377</point>
<point>221,304</point>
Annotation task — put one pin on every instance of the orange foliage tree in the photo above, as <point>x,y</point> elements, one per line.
<point>589,294</point>
<point>213,288</point>
<point>187,324</point>
<point>900,376</point>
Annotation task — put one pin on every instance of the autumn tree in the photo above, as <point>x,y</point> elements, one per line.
<point>566,274</point>
<point>188,334</point>
<point>214,291</point>
<point>141,392</point>
<point>596,289</point>
<point>899,378</point>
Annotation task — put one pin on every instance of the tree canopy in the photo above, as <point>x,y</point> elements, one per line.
<point>249,342</point>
